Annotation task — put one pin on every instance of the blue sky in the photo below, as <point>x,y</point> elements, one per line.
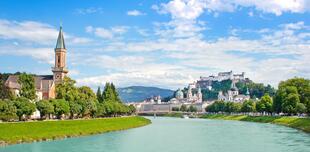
<point>158,43</point>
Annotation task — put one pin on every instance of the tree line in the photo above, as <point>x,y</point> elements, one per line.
<point>291,98</point>
<point>70,102</point>
<point>185,108</point>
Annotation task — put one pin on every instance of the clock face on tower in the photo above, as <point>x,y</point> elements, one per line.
<point>58,76</point>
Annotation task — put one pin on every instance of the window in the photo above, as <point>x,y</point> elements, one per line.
<point>58,60</point>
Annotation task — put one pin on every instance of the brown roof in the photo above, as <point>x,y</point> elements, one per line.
<point>12,83</point>
<point>41,82</point>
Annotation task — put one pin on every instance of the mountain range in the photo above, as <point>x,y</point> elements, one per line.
<point>140,93</point>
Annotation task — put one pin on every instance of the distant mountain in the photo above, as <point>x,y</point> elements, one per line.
<point>139,93</point>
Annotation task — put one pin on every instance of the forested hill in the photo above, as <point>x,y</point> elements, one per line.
<point>256,90</point>
<point>139,93</point>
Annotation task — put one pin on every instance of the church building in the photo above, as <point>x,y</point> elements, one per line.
<point>45,84</point>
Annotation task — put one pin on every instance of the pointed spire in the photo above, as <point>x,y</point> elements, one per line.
<point>60,40</point>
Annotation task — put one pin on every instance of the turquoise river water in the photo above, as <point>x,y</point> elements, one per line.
<point>182,135</point>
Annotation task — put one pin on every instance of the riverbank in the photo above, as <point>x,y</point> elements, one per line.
<point>294,122</point>
<point>13,133</point>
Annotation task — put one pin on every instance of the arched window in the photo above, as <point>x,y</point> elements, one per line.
<point>58,60</point>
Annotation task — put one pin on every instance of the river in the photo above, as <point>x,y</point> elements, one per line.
<point>182,135</point>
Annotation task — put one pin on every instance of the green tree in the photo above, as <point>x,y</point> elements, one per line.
<point>183,108</point>
<point>67,90</point>
<point>290,103</point>
<point>108,108</point>
<point>265,104</point>
<point>260,106</point>
<point>7,110</point>
<point>86,93</point>
<point>175,109</point>
<point>108,94</point>
<point>303,89</point>
<point>232,107</point>
<point>281,96</point>
<point>224,85</point>
<point>24,107</point>
<point>5,92</point>
<point>27,86</point>
<point>132,109</point>
<point>101,110</point>
<point>209,94</point>
<point>88,108</point>
<point>192,108</point>
<point>278,100</point>
<point>111,104</point>
<point>220,106</point>
<point>115,93</point>
<point>256,90</point>
<point>45,107</point>
<point>99,95</point>
<point>75,109</point>
<point>217,106</point>
<point>61,107</point>
<point>248,106</point>
<point>301,108</point>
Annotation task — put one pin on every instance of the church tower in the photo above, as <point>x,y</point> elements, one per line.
<point>60,70</point>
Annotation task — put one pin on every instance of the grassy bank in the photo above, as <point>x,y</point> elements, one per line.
<point>294,122</point>
<point>12,133</point>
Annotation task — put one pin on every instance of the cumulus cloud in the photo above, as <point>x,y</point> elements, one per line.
<point>177,53</point>
<point>184,14</point>
<point>284,51</point>
<point>182,9</point>
<point>190,9</point>
<point>275,6</point>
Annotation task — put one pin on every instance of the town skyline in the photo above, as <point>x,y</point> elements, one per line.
<point>165,44</point>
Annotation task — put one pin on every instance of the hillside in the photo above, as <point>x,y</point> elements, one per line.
<point>139,93</point>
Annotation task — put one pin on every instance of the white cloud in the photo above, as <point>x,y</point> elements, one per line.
<point>43,54</point>
<point>73,72</point>
<point>143,32</point>
<point>34,39</point>
<point>107,33</point>
<point>119,29</point>
<point>90,10</point>
<point>184,15</point>
<point>104,33</point>
<point>79,40</point>
<point>124,63</point>
<point>155,78</point>
<point>190,9</point>
<point>276,7</point>
<point>135,13</point>
<point>137,71</point>
<point>178,55</point>
<point>183,9</point>
<point>28,31</point>
<point>251,14</point>
<point>35,32</point>
<point>194,56</point>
